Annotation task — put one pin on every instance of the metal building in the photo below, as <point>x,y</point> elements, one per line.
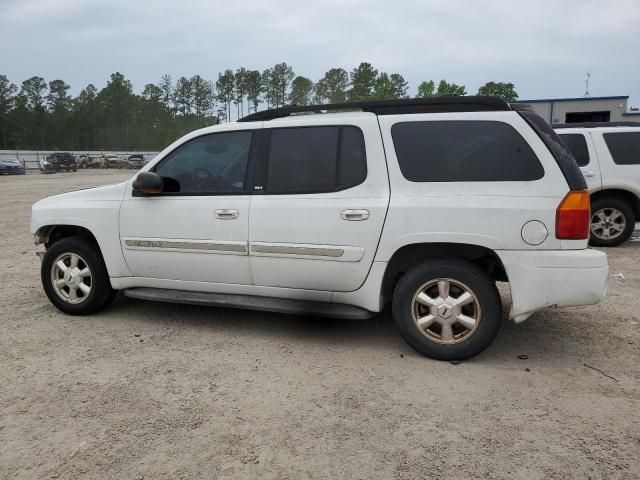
<point>585,109</point>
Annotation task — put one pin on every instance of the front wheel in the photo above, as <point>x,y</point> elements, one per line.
<point>447,309</point>
<point>612,222</point>
<point>75,278</point>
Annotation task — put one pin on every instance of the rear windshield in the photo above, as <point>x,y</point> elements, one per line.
<point>554,143</point>
<point>624,147</point>
<point>577,145</point>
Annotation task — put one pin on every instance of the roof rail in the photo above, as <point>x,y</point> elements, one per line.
<point>596,124</point>
<point>391,107</point>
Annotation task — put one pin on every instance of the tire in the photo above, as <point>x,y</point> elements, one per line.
<point>74,169</point>
<point>461,342</point>
<point>612,222</point>
<point>100,292</point>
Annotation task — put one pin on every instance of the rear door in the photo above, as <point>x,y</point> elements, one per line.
<point>580,144</point>
<point>319,204</point>
<point>619,150</point>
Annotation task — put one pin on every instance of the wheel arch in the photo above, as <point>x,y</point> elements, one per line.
<point>625,195</point>
<point>50,234</point>
<point>412,254</point>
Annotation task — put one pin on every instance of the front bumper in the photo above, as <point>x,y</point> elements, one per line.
<point>560,278</point>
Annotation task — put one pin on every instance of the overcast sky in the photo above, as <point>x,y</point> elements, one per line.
<point>545,47</point>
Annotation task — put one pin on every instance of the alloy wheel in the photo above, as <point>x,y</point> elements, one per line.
<point>446,311</point>
<point>608,223</point>
<point>71,278</point>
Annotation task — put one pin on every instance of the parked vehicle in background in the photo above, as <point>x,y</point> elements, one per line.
<point>134,161</point>
<point>91,161</point>
<point>111,160</point>
<point>11,166</point>
<point>424,204</point>
<point>57,162</point>
<point>609,156</point>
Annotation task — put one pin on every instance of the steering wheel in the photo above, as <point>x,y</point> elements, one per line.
<point>206,180</point>
<point>200,174</point>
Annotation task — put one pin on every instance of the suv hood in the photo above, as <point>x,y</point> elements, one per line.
<point>94,194</point>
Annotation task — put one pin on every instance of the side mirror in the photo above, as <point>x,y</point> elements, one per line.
<point>147,183</point>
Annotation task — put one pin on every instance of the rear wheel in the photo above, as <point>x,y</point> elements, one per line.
<point>612,222</point>
<point>75,278</point>
<point>447,309</point>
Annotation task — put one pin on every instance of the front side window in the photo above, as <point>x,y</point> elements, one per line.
<point>463,151</point>
<point>624,147</point>
<point>577,145</point>
<point>210,164</point>
<point>315,159</point>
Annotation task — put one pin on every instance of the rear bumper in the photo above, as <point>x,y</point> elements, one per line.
<point>561,278</point>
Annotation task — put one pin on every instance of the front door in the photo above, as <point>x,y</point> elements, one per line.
<point>197,228</point>
<point>319,206</point>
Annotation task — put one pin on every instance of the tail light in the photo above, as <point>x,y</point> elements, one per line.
<point>573,216</point>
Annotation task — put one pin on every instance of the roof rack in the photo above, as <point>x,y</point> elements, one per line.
<point>596,124</point>
<point>391,107</point>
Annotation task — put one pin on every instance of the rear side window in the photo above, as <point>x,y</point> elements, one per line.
<point>463,151</point>
<point>624,147</point>
<point>577,145</point>
<point>315,159</point>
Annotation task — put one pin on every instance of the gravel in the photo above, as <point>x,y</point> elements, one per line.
<point>147,390</point>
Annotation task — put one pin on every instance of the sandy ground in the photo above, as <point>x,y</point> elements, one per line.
<point>148,390</point>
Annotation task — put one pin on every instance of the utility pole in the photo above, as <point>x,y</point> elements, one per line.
<point>586,93</point>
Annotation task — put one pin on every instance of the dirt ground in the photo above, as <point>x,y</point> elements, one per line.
<point>148,390</point>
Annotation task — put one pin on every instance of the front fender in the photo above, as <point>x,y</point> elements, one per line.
<point>98,212</point>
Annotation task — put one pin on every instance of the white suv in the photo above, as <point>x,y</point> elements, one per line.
<point>338,210</point>
<point>609,156</point>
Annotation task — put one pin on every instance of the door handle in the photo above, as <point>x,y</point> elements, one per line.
<point>226,214</point>
<point>589,174</point>
<point>355,215</point>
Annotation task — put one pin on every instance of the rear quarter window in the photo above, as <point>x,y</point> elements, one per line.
<point>463,151</point>
<point>624,147</point>
<point>577,145</point>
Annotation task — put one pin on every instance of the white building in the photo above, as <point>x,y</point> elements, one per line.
<point>585,109</point>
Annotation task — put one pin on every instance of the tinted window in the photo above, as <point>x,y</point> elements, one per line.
<point>210,164</point>
<point>315,159</point>
<point>624,147</point>
<point>463,151</point>
<point>577,145</point>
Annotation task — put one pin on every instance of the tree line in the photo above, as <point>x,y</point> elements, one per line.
<point>43,115</point>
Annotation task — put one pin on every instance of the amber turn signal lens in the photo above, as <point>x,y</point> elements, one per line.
<point>573,216</point>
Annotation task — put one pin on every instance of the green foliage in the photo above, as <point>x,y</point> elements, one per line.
<point>33,90</point>
<point>363,79</point>
<point>203,99</point>
<point>500,89</point>
<point>426,89</point>
<point>42,115</point>
<point>58,99</point>
<point>332,88</point>
<point>183,95</point>
<point>280,79</point>
<point>383,88</point>
<point>301,91</point>
<point>7,102</point>
<point>225,87</point>
<point>445,88</point>
<point>389,87</point>
<point>399,85</point>
<point>253,89</point>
